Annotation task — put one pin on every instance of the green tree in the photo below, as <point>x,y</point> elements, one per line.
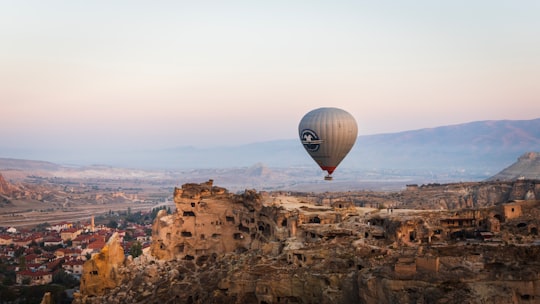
<point>65,279</point>
<point>112,224</point>
<point>136,249</point>
<point>7,294</point>
<point>22,262</point>
<point>19,251</point>
<point>8,281</point>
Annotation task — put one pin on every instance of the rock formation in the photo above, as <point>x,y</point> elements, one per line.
<point>47,299</point>
<point>275,248</point>
<point>6,188</point>
<point>102,272</point>
<point>6,191</point>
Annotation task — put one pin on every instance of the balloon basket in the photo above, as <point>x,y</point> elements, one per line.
<point>328,177</point>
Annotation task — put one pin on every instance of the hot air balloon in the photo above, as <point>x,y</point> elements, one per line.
<point>328,134</point>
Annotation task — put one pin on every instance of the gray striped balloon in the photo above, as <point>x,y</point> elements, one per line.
<point>328,134</point>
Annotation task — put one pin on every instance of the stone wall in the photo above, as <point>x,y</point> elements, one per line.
<point>428,263</point>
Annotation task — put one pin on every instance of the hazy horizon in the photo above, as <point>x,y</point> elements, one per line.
<point>97,78</point>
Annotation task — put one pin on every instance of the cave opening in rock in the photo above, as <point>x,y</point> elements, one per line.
<point>180,248</point>
<point>315,220</point>
<point>243,228</point>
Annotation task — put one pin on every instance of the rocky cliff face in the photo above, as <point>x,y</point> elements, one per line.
<point>274,248</point>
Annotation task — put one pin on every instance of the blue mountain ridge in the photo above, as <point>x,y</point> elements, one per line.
<point>483,146</point>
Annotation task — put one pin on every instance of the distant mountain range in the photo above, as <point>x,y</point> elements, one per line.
<point>485,147</point>
<point>475,150</point>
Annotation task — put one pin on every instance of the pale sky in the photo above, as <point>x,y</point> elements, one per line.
<point>97,74</point>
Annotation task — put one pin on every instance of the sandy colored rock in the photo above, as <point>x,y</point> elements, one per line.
<point>102,272</point>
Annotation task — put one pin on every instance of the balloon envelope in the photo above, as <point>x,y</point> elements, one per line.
<point>328,134</point>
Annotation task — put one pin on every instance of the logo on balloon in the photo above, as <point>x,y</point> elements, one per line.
<point>310,140</point>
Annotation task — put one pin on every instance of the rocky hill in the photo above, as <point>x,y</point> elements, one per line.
<point>275,248</point>
<point>27,165</point>
<point>526,167</point>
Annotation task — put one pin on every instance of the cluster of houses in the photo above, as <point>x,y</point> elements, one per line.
<point>36,256</point>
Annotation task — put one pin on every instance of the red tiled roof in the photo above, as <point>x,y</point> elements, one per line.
<point>69,250</point>
<point>96,245</point>
<point>74,262</point>
<point>51,238</point>
<point>31,273</point>
<point>69,230</point>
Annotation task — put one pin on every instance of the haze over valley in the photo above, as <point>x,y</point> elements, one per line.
<point>467,152</point>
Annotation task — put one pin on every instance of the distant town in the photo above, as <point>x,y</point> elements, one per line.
<point>56,252</point>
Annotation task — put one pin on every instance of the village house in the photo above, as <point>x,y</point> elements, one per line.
<point>53,241</point>
<point>54,265</point>
<point>35,267</point>
<point>6,239</point>
<point>33,259</point>
<point>61,226</point>
<point>68,253</point>
<point>37,237</point>
<point>82,240</point>
<point>73,266</point>
<point>29,277</point>
<point>69,234</point>
<point>10,252</point>
<point>22,242</point>
<point>141,237</point>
